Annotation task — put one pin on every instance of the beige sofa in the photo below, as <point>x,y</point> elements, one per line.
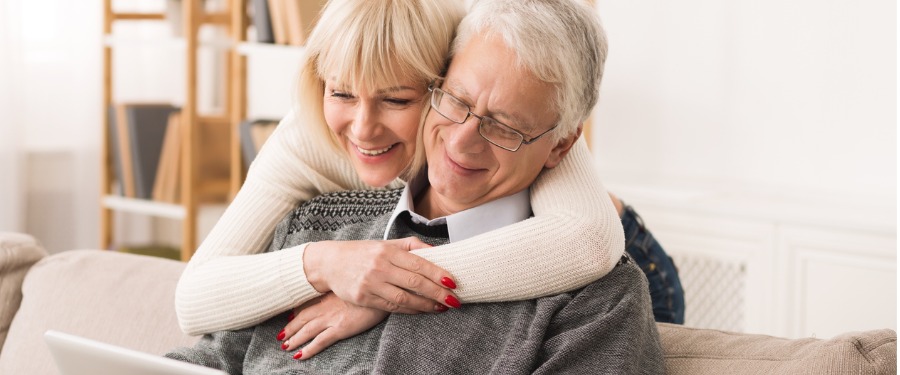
<point>128,300</point>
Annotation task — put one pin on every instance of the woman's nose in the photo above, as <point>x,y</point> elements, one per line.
<point>366,124</point>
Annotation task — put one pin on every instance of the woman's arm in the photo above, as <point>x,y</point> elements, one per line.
<point>575,237</point>
<point>228,284</point>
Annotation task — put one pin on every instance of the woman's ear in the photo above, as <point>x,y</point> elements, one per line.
<point>563,146</point>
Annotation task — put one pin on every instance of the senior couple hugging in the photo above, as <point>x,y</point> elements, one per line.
<point>490,245</point>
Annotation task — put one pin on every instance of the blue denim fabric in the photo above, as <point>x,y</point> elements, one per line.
<point>666,293</point>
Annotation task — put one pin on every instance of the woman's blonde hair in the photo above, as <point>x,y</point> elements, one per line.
<point>374,44</point>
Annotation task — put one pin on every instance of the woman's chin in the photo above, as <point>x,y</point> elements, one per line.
<point>376,180</point>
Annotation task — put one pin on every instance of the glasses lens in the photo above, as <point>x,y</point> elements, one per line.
<point>449,106</point>
<point>500,134</point>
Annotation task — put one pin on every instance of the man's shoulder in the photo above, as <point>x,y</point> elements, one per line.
<point>624,284</point>
<point>625,276</point>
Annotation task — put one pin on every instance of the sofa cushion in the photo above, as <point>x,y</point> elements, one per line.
<point>18,252</point>
<point>122,299</point>
<point>704,351</point>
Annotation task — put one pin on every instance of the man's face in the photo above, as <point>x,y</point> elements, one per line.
<point>464,169</point>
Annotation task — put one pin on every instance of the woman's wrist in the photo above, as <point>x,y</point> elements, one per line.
<point>312,267</point>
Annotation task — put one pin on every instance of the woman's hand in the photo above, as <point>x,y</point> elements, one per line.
<point>326,320</point>
<point>382,275</point>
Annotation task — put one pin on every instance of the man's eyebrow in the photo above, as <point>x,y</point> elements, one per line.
<point>511,120</point>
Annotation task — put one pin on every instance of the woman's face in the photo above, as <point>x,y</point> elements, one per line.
<point>377,127</point>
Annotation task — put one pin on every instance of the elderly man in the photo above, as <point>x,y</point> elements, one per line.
<point>505,112</point>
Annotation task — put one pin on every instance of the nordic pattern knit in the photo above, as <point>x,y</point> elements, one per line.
<point>606,327</point>
<point>575,237</point>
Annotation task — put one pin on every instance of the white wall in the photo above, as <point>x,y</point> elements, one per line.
<point>794,96</point>
<point>53,100</point>
<point>764,134</point>
<point>11,190</point>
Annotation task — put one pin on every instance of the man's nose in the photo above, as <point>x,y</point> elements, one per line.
<point>464,138</point>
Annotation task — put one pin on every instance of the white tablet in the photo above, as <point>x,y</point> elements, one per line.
<point>76,355</point>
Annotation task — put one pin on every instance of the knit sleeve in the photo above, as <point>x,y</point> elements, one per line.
<point>228,284</point>
<point>574,238</point>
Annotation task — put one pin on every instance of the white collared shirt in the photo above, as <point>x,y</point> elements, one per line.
<point>469,223</point>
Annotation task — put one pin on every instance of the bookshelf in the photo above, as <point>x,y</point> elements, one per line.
<point>190,185</point>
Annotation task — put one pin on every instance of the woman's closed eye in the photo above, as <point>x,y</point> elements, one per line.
<point>342,95</point>
<point>399,102</point>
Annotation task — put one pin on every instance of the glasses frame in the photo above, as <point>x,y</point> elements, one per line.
<point>522,136</point>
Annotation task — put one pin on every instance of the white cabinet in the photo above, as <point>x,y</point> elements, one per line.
<point>768,264</point>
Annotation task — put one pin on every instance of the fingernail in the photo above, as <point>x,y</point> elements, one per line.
<point>291,316</point>
<point>298,355</point>
<point>448,282</point>
<point>282,334</point>
<point>284,345</point>
<point>452,301</point>
<point>440,308</point>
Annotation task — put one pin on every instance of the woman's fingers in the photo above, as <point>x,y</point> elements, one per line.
<point>332,320</point>
<point>410,290</point>
<point>419,265</point>
<point>412,243</point>
<point>309,330</point>
<point>395,300</point>
<point>382,275</point>
<point>319,343</point>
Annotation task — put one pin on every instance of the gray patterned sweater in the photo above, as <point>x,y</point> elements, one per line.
<point>606,327</point>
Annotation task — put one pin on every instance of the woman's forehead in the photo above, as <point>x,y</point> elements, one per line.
<point>375,84</point>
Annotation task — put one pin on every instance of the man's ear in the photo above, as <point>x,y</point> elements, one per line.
<point>562,148</point>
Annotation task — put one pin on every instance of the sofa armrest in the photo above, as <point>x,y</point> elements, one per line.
<point>18,252</point>
<point>121,299</point>
<point>706,351</point>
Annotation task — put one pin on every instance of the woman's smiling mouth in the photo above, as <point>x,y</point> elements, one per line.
<point>375,152</point>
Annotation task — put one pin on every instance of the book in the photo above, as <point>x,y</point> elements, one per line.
<point>146,127</point>
<point>165,187</point>
<point>212,179</point>
<point>301,16</point>
<point>117,141</point>
<point>262,21</point>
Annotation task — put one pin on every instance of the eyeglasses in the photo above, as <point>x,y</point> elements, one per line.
<point>493,131</point>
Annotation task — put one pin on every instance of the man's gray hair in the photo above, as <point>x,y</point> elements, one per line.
<point>560,41</point>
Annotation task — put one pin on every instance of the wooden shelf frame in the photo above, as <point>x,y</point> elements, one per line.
<point>235,20</point>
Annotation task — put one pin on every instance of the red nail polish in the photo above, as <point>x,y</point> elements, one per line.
<point>448,282</point>
<point>282,334</point>
<point>291,316</point>
<point>452,301</point>
<point>440,308</point>
<point>298,355</point>
<point>284,346</point>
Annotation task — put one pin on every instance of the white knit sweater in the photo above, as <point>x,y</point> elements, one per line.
<point>230,283</point>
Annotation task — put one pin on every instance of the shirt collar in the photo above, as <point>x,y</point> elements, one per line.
<point>469,223</point>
